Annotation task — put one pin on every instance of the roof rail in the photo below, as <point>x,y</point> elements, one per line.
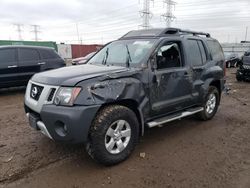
<point>157,32</point>
<point>181,31</point>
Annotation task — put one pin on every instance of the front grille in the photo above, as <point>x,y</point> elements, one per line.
<point>246,66</point>
<point>36,91</point>
<point>51,94</point>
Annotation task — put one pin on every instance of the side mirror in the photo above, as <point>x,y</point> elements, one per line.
<point>153,62</point>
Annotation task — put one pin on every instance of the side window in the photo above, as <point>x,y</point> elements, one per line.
<point>194,53</point>
<point>48,54</point>
<point>203,52</point>
<point>169,56</point>
<point>216,50</point>
<point>7,55</point>
<point>28,55</point>
<point>247,53</point>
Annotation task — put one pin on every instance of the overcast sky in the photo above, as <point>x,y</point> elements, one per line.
<point>100,21</point>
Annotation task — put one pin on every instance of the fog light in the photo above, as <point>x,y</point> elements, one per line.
<point>61,128</point>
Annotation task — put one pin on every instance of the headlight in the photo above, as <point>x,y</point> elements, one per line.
<point>66,96</point>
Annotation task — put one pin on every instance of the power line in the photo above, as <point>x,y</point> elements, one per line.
<point>169,16</point>
<point>19,30</point>
<point>246,34</point>
<point>146,14</point>
<point>36,31</point>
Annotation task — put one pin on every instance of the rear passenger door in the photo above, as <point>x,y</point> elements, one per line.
<point>8,66</point>
<point>198,58</point>
<point>29,63</point>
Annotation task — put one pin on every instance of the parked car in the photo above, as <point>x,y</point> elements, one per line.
<point>145,79</point>
<point>82,60</point>
<point>19,63</point>
<point>232,60</point>
<point>243,73</point>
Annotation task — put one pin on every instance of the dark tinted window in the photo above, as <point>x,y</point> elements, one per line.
<point>203,52</point>
<point>28,55</point>
<point>48,54</point>
<point>7,55</point>
<point>247,53</point>
<point>169,56</point>
<point>194,53</point>
<point>216,50</point>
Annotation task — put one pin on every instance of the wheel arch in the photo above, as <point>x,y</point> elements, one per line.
<point>132,105</point>
<point>217,84</point>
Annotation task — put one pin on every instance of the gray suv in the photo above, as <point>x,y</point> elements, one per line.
<point>19,63</point>
<point>145,79</point>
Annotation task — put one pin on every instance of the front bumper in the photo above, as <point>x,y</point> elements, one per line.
<point>65,124</point>
<point>243,73</point>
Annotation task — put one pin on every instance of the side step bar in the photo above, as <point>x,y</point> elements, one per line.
<point>173,117</point>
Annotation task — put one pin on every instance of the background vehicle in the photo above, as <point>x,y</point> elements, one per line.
<point>83,60</point>
<point>232,60</point>
<point>145,79</point>
<point>243,73</point>
<point>19,63</point>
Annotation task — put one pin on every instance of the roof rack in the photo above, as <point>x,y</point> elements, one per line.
<point>181,31</point>
<point>161,32</point>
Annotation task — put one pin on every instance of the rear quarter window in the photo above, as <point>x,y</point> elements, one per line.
<point>216,50</point>
<point>49,54</point>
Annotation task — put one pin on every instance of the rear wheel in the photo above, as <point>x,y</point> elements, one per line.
<point>113,135</point>
<point>211,104</point>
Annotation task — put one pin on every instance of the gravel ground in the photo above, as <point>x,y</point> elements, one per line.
<point>186,153</point>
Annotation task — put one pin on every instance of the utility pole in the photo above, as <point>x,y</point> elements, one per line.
<point>77,32</point>
<point>246,33</point>
<point>168,16</point>
<point>35,31</point>
<point>19,30</point>
<point>146,14</point>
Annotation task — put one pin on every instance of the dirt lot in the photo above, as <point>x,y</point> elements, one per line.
<point>186,153</point>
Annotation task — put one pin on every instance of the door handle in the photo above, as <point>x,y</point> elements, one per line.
<point>12,66</point>
<point>42,63</point>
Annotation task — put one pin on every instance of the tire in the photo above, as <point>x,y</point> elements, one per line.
<point>207,114</point>
<point>107,146</point>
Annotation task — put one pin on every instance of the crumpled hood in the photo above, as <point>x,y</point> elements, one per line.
<point>70,76</point>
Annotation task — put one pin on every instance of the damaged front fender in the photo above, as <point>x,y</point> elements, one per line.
<point>111,88</point>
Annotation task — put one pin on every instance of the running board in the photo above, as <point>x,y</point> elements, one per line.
<point>173,117</point>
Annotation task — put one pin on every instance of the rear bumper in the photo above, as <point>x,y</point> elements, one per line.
<point>65,124</point>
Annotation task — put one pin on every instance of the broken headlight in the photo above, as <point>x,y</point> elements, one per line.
<point>66,96</point>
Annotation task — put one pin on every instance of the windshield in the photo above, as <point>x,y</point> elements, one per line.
<point>123,52</point>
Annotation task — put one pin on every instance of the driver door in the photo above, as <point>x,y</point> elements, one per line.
<point>171,87</point>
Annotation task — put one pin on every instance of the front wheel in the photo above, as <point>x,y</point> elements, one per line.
<point>113,135</point>
<point>211,104</point>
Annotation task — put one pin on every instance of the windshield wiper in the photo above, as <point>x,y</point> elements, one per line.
<point>104,61</point>
<point>129,60</point>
